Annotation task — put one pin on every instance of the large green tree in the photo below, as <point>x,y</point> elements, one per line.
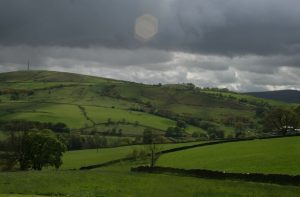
<point>281,121</point>
<point>33,150</point>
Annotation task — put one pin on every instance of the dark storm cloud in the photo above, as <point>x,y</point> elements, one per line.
<point>245,45</point>
<point>117,58</point>
<point>231,27</point>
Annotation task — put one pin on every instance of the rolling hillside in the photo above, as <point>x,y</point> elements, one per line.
<point>98,105</point>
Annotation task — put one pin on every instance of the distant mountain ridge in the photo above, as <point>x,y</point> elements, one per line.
<point>290,96</point>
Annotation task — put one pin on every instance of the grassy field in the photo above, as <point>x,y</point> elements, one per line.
<point>100,115</point>
<point>77,159</point>
<point>47,112</point>
<point>280,155</point>
<point>119,181</point>
<point>66,90</point>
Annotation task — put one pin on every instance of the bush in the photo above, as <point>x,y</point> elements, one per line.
<point>174,132</point>
<point>181,124</point>
<point>23,125</point>
<point>14,96</point>
<point>138,154</point>
<point>215,133</point>
<point>200,135</point>
<point>206,125</point>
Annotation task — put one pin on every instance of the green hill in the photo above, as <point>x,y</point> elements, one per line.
<point>279,156</point>
<point>99,105</point>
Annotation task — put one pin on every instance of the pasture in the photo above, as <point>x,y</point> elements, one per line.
<point>101,115</point>
<point>45,112</point>
<point>79,158</point>
<point>279,155</point>
<point>119,181</point>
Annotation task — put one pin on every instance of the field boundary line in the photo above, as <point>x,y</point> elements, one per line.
<point>281,179</point>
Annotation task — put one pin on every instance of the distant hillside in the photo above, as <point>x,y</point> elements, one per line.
<point>93,105</point>
<point>290,96</point>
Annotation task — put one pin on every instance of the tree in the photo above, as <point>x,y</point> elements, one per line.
<point>151,140</point>
<point>23,125</point>
<point>297,111</point>
<point>181,124</point>
<point>154,150</point>
<point>174,132</point>
<point>215,133</point>
<point>74,141</point>
<point>148,136</point>
<point>60,128</point>
<point>14,96</point>
<point>260,111</point>
<point>34,149</point>
<point>281,121</point>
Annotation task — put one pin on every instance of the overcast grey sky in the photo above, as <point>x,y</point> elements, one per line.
<point>244,45</point>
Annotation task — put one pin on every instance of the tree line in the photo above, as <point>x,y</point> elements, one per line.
<point>282,121</point>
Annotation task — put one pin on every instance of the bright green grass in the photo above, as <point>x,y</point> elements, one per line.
<point>100,115</point>
<point>81,94</point>
<point>69,114</point>
<point>77,159</point>
<point>190,129</point>
<point>280,155</point>
<point>119,181</point>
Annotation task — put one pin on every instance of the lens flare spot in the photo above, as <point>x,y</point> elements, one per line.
<point>146,27</point>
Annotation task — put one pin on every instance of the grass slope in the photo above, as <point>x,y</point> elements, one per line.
<point>280,155</point>
<point>47,112</point>
<point>119,181</point>
<point>56,97</point>
<point>77,159</point>
<point>100,114</point>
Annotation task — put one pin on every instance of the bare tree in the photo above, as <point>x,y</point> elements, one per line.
<point>152,140</point>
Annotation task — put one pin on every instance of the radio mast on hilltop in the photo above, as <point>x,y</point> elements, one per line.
<point>28,65</point>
